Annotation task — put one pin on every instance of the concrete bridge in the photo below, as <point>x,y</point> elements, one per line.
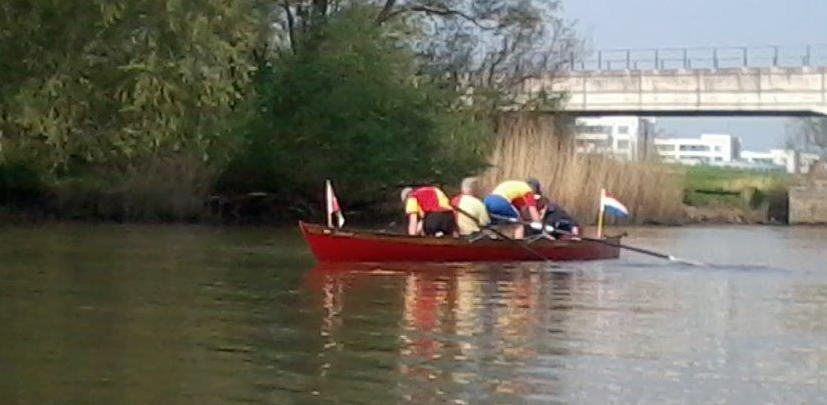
<point>720,84</point>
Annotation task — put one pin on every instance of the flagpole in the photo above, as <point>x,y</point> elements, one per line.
<point>328,191</point>
<point>600,213</point>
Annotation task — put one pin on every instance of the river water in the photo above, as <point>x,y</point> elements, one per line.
<point>190,314</point>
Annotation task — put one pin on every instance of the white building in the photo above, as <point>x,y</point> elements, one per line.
<point>791,161</point>
<point>708,149</point>
<point>625,137</point>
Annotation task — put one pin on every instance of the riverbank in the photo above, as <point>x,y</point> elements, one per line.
<point>261,215</point>
<point>724,195</point>
<point>261,208</point>
<point>173,192</point>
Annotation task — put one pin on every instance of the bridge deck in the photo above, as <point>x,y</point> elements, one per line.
<point>742,91</point>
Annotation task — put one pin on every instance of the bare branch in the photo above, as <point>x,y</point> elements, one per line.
<point>433,10</point>
<point>386,11</point>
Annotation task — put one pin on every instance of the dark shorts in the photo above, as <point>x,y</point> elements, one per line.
<point>436,222</point>
<point>498,206</point>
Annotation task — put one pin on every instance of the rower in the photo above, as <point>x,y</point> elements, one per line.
<point>509,199</point>
<point>555,217</point>
<point>473,214</point>
<point>429,211</point>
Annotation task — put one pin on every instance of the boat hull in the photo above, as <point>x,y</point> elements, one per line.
<point>332,246</point>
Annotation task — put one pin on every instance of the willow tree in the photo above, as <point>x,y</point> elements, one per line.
<point>108,82</point>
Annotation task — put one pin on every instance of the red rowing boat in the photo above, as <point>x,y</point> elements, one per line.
<point>336,245</point>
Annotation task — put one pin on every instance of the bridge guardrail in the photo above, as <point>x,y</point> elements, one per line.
<point>700,58</point>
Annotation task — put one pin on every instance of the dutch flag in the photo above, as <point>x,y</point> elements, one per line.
<point>611,205</point>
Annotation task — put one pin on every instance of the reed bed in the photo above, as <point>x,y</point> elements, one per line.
<point>539,146</point>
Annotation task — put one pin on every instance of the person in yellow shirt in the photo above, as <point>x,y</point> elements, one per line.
<point>514,199</point>
<point>428,211</point>
<point>471,213</point>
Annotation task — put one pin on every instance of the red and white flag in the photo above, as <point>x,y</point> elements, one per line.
<point>332,206</point>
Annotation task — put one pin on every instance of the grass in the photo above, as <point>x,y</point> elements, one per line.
<point>701,199</point>
<point>708,186</point>
<point>751,192</point>
<point>723,179</point>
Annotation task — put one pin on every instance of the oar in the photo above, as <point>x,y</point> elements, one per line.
<point>502,235</point>
<point>639,250</point>
<point>608,243</point>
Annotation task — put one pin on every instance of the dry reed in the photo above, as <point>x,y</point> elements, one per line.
<point>537,146</point>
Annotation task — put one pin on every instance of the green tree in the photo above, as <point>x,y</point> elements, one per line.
<point>349,106</point>
<point>112,82</point>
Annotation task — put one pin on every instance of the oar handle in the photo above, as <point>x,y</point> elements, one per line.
<point>543,228</point>
<point>500,234</point>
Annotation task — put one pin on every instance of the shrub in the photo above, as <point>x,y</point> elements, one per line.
<point>21,184</point>
<point>348,106</point>
<point>170,188</point>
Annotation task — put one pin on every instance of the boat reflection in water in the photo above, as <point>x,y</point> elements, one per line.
<point>460,327</point>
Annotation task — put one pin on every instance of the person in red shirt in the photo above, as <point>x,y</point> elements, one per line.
<point>428,211</point>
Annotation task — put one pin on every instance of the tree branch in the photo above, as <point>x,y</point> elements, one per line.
<point>431,10</point>
<point>291,22</point>
<point>386,11</point>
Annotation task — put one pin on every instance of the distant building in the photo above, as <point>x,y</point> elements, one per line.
<point>631,138</point>
<point>708,149</point>
<point>791,161</point>
<point>624,137</point>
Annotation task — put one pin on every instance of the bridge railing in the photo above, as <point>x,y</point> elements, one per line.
<point>700,58</point>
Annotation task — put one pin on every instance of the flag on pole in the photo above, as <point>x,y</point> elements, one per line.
<point>332,207</point>
<point>612,206</point>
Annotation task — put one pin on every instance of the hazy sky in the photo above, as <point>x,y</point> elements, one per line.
<point>613,24</point>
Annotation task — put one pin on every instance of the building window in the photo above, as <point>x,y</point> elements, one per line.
<point>666,148</point>
<point>694,148</point>
<point>593,129</point>
<point>717,149</point>
<point>592,145</point>
<point>623,129</point>
<point>623,144</point>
